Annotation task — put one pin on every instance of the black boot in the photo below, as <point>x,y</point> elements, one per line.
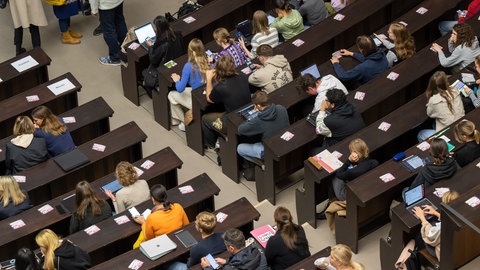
<point>17,40</point>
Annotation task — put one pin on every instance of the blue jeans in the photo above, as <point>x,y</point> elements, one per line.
<point>64,24</point>
<point>446,26</point>
<point>249,150</point>
<point>425,134</point>
<point>114,29</point>
<point>177,266</point>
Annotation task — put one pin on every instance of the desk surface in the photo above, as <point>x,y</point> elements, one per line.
<point>166,162</point>
<point>308,263</point>
<point>240,213</point>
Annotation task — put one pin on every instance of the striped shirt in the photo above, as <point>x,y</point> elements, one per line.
<point>260,39</point>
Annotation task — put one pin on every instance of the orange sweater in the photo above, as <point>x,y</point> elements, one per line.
<point>163,222</point>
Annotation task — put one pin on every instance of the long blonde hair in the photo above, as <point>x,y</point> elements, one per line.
<point>221,35</point>
<point>10,190</point>
<point>198,58</point>
<point>260,23</point>
<point>50,241</point>
<point>343,255</point>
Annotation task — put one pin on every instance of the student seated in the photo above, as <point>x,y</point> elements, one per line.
<point>165,217</point>
<point>25,150</point>
<point>289,245</point>
<point>134,191</point>
<point>224,86</point>
<point>444,104</point>
<point>274,71</point>
<point>318,88</point>
<point>357,164</point>
<point>466,133</point>
<point>430,233</point>
<point>25,260</point>
<point>270,119</point>
<point>372,62</point>
<point>312,11</point>
<point>475,97</point>
<point>51,128</point>
<point>12,200</point>
<point>341,258</point>
<point>193,75</point>
<point>89,209</point>
<point>262,34</point>
<point>446,26</point>
<point>438,167</point>
<point>336,120</point>
<point>463,46</point>
<point>403,45</point>
<point>211,243</point>
<point>289,22</point>
<point>230,47</point>
<point>242,257</point>
<point>60,254</point>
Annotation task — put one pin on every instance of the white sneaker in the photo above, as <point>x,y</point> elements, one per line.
<point>181,126</point>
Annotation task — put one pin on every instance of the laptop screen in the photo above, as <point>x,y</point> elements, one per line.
<point>145,32</point>
<point>414,195</point>
<point>313,70</point>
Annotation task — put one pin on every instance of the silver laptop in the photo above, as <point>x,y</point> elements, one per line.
<point>312,70</point>
<point>144,33</point>
<point>157,247</point>
<point>416,197</point>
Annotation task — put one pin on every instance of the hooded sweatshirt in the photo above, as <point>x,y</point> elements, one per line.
<point>275,73</point>
<point>270,120</point>
<point>370,66</point>
<point>313,11</point>
<point>460,55</point>
<point>70,257</point>
<point>342,121</point>
<point>23,152</point>
<point>432,173</point>
<point>290,25</point>
<point>249,258</point>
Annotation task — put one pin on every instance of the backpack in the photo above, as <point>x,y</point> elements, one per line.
<point>187,8</point>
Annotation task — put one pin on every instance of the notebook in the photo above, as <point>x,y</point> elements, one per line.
<point>313,70</point>
<point>249,112</point>
<point>71,160</point>
<point>262,234</point>
<point>67,205</point>
<point>312,118</point>
<point>113,186</point>
<point>157,247</point>
<point>186,238</point>
<point>416,197</point>
<point>144,33</point>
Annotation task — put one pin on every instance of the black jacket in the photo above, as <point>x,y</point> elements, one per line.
<point>12,210</point>
<point>343,121</point>
<point>18,158</point>
<point>165,49</point>
<point>270,120</point>
<point>432,173</point>
<point>249,258</point>
<point>280,257</point>
<point>70,257</point>
<point>77,224</point>
<point>362,166</point>
<point>466,154</point>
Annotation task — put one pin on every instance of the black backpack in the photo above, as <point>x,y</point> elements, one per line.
<point>413,262</point>
<point>187,8</point>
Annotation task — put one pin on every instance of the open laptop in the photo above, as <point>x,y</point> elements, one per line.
<point>71,160</point>
<point>249,112</point>
<point>416,197</point>
<point>244,30</point>
<point>157,247</point>
<point>313,70</point>
<point>144,33</point>
<point>312,118</point>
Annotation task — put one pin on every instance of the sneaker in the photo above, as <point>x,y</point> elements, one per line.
<point>181,126</point>
<point>109,62</point>
<point>98,31</point>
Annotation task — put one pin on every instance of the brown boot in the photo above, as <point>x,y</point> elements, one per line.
<point>68,39</point>
<point>74,34</point>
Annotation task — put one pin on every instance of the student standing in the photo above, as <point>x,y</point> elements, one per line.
<point>63,13</point>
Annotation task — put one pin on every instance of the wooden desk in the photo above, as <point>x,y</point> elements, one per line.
<point>47,180</point>
<point>459,242</point>
<point>241,214</point>
<point>308,263</point>
<point>219,13</point>
<point>18,104</point>
<point>14,82</point>
<point>163,172</point>
<point>114,239</point>
<point>91,122</point>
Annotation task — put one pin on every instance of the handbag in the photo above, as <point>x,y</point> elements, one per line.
<point>150,78</point>
<point>3,4</point>
<point>55,2</point>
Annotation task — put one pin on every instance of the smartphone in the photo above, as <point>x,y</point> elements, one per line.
<point>212,261</point>
<point>209,53</point>
<point>461,13</point>
<point>240,35</point>
<point>376,40</point>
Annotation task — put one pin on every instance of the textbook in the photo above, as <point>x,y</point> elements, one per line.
<point>326,160</point>
<point>262,234</point>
